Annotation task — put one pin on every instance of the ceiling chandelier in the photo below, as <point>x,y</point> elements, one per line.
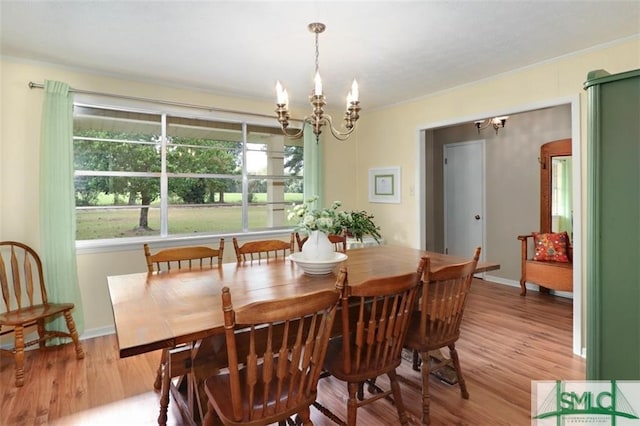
<point>497,123</point>
<point>318,118</point>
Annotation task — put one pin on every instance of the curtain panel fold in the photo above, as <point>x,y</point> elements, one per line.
<point>57,202</point>
<point>313,168</point>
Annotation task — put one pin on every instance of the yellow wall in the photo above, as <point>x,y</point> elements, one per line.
<point>388,136</point>
<point>385,137</point>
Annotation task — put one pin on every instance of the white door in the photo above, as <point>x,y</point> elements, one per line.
<point>464,194</point>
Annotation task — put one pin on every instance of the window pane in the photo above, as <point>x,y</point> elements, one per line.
<point>264,210</point>
<point>274,165</point>
<point>121,156</point>
<point>106,140</point>
<point>116,207</point>
<point>268,215</point>
<point>200,146</point>
<point>209,218</point>
<point>204,205</point>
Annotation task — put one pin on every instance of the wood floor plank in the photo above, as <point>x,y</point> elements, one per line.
<point>506,341</point>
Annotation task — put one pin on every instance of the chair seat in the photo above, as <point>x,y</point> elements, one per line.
<point>33,313</point>
<point>549,275</point>
<point>334,364</point>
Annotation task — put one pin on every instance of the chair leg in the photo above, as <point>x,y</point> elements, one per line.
<point>41,333</point>
<point>304,417</point>
<point>456,364</point>
<point>71,325</point>
<point>425,387</point>
<point>157,384</point>
<point>416,360</point>
<point>19,355</point>
<point>352,403</point>
<point>523,286</point>
<point>371,387</point>
<point>164,393</point>
<point>397,396</point>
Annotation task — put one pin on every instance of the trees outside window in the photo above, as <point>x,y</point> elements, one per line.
<point>139,173</point>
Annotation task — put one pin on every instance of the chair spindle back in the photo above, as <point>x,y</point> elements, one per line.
<point>198,257</point>
<point>275,353</point>
<point>264,249</point>
<point>21,276</point>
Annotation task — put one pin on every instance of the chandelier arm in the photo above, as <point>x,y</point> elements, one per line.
<point>341,136</point>
<point>294,135</point>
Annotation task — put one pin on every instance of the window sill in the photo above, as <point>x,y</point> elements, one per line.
<point>126,244</point>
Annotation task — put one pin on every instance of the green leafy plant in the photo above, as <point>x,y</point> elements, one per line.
<point>360,223</point>
<point>357,223</point>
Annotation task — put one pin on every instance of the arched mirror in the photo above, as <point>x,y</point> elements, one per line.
<point>556,201</point>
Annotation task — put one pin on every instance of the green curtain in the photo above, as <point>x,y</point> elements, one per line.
<point>57,202</point>
<point>313,168</point>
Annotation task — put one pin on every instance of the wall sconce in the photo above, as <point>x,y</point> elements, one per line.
<point>497,123</point>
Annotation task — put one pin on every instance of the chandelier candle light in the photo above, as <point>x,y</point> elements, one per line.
<point>318,118</point>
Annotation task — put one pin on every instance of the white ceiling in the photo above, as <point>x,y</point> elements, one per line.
<point>397,50</point>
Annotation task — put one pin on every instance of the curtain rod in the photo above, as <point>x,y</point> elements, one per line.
<point>33,85</point>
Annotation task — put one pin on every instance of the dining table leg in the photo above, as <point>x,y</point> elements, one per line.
<point>164,392</point>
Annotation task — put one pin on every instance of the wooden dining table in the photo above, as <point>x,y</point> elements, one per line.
<point>182,309</point>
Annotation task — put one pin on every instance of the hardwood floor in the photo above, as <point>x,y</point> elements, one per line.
<point>507,341</point>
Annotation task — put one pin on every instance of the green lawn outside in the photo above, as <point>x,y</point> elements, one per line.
<point>121,223</point>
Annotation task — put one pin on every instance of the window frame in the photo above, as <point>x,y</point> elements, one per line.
<point>245,120</point>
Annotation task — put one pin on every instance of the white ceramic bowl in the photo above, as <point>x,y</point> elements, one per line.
<point>317,267</point>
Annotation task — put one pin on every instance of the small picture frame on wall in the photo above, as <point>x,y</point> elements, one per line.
<point>384,185</point>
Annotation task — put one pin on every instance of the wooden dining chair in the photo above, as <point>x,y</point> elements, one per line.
<point>176,258</point>
<point>263,249</point>
<point>26,304</point>
<point>339,241</point>
<point>275,352</point>
<point>195,257</point>
<point>436,324</point>
<point>372,340</point>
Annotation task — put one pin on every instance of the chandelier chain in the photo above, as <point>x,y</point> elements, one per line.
<point>317,55</point>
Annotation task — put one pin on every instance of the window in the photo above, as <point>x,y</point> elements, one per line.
<point>153,174</point>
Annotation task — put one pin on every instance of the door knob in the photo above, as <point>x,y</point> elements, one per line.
<point>477,217</point>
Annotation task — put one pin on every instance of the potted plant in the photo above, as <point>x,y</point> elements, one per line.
<point>359,223</point>
<point>356,223</point>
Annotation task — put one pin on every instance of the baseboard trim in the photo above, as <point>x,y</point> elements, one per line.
<point>530,287</point>
<point>98,332</point>
<point>88,334</point>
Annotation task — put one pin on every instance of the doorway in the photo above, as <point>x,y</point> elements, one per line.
<point>505,149</point>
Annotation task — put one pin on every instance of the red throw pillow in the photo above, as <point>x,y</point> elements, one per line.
<point>551,246</point>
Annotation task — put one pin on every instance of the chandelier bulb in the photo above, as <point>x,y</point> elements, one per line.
<point>280,94</point>
<point>317,85</point>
